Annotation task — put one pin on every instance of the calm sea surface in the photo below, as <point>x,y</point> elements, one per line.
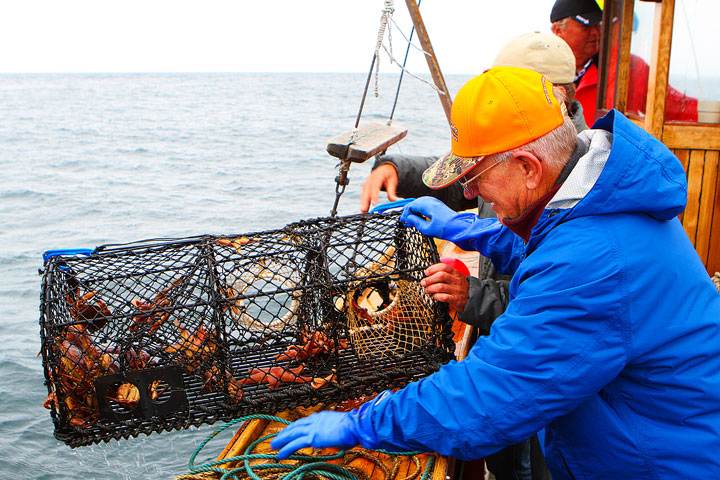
<point>110,158</point>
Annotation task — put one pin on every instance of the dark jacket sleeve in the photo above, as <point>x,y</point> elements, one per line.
<point>578,117</point>
<point>410,184</point>
<point>487,300</point>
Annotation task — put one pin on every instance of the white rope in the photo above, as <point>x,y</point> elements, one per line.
<point>387,12</point>
<point>386,22</point>
<point>408,72</point>
<point>408,40</point>
<point>394,60</point>
<point>353,136</point>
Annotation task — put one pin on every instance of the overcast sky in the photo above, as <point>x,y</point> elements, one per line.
<point>249,36</point>
<point>296,35</point>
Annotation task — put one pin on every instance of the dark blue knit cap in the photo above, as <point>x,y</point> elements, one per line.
<point>586,12</point>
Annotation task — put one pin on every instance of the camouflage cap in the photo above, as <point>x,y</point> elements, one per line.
<point>501,109</point>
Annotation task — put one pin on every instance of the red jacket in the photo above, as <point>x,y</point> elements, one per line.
<point>679,107</point>
<point>586,93</point>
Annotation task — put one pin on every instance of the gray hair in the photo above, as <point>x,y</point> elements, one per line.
<point>555,147</point>
<point>569,91</point>
<point>561,24</point>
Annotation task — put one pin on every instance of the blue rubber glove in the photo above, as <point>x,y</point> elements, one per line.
<point>466,230</point>
<point>429,215</point>
<point>435,219</point>
<point>319,430</point>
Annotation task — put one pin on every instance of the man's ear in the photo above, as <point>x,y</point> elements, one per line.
<point>532,168</point>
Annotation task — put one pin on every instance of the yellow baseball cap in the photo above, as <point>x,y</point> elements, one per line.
<point>501,109</point>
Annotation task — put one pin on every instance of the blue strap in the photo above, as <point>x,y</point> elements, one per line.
<point>387,206</point>
<point>69,251</point>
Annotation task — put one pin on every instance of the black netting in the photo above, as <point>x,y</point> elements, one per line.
<point>167,334</point>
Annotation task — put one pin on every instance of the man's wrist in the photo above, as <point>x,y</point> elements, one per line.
<point>381,160</point>
<point>363,427</point>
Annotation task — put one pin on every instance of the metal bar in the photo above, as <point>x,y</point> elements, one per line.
<point>367,83</point>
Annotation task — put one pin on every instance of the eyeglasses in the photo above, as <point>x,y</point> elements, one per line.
<point>465,183</point>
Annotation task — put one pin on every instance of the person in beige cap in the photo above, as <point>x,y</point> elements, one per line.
<point>550,55</point>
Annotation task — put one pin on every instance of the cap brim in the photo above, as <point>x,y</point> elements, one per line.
<point>589,18</point>
<point>448,169</point>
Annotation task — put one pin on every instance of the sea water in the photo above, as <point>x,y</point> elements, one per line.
<point>91,159</point>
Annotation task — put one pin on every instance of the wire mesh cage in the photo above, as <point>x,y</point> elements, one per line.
<point>167,334</point>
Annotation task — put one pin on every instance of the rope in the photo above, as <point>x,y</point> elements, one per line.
<point>317,466</point>
<point>387,12</point>
<point>402,67</point>
<point>402,71</point>
<point>386,22</point>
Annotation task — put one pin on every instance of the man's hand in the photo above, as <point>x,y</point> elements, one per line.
<point>384,176</point>
<point>319,430</point>
<point>446,284</point>
<point>429,215</point>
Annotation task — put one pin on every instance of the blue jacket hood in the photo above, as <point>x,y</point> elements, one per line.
<point>640,174</point>
<point>624,170</point>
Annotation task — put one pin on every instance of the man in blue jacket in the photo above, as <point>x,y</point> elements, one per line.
<point>609,345</point>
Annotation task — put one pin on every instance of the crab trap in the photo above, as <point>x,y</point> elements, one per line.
<point>167,334</point>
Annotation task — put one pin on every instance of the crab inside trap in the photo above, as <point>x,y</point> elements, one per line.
<point>167,334</point>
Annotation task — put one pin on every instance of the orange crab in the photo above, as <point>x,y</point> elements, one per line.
<point>153,312</point>
<point>93,314</point>
<point>315,344</point>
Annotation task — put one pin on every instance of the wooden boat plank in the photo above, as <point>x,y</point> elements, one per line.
<point>659,67</point>
<point>694,182</point>
<point>707,202</point>
<point>692,136</point>
<point>713,264</point>
<point>684,157</point>
<point>249,431</point>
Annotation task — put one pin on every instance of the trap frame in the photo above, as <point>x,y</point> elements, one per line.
<point>166,334</point>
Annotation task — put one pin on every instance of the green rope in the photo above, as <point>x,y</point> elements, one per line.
<point>428,468</point>
<point>355,139</point>
<point>316,467</point>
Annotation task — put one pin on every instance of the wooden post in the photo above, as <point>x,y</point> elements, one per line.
<point>623,64</point>
<point>604,64</point>
<point>659,68</point>
<point>431,60</point>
